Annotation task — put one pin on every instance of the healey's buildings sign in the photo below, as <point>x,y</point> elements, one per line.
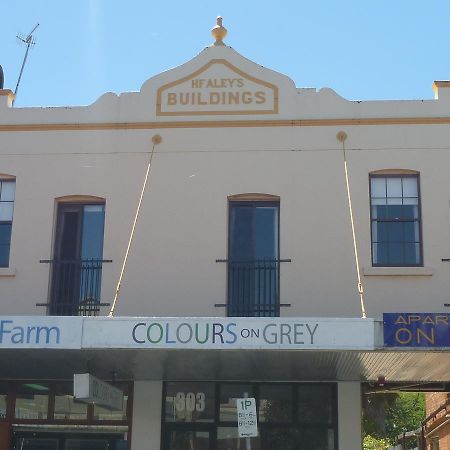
<point>217,88</point>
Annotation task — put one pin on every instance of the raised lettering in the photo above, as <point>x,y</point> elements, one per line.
<point>171,98</point>
<point>260,97</point>
<point>247,97</point>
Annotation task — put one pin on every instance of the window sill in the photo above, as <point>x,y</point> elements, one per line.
<point>7,272</point>
<point>398,271</point>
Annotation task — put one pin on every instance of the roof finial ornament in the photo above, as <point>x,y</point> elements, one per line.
<point>219,32</point>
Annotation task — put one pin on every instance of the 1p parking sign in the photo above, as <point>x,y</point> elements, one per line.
<point>247,419</point>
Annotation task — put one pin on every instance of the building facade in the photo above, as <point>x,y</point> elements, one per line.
<point>192,244</point>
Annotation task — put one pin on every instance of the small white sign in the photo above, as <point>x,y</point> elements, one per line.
<point>89,389</point>
<point>247,422</point>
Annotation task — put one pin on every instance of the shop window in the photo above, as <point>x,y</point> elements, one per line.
<point>276,403</point>
<point>66,407</point>
<point>395,219</point>
<point>228,395</point>
<point>7,196</point>
<point>228,439</point>
<point>4,388</point>
<point>101,413</point>
<point>78,259</point>
<point>291,416</point>
<point>32,401</point>
<point>315,404</point>
<point>189,402</point>
<point>253,256</point>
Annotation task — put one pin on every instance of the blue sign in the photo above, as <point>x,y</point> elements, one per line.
<point>416,330</point>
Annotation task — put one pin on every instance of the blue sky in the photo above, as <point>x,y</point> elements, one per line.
<point>366,49</point>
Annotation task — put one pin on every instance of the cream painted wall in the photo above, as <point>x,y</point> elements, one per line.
<point>182,228</point>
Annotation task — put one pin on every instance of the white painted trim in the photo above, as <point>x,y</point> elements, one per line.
<point>398,271</point>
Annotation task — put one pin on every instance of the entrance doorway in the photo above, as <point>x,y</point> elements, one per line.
<point>291,416</point>
<point>193,439</point>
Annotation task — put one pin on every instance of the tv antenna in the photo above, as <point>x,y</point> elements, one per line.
<point>29,41</point>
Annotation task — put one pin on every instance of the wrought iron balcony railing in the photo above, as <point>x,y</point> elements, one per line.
<point>254,288</point>
<point>75,287</point>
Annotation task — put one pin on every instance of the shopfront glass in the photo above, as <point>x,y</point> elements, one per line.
<point>291,416</point>
<point>4,388</point>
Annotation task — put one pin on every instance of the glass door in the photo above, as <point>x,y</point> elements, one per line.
<point>185,439</point>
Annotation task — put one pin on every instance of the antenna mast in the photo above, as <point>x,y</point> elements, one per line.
<point>28,41</point>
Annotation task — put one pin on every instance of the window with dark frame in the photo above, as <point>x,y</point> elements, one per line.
<point>396,235</point>
<point>291,416</point>
<point>7,196</point>
<point>78,259</point>
<point>253,259</point>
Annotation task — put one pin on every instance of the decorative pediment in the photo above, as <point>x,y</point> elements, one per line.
<point>217,88</point>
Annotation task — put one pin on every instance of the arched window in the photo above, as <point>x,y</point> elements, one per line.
<point>395,218</point>
<point>78,255</point>
<point>253,255</point>
<point>7,197</point>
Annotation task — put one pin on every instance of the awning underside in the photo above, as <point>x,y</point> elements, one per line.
<point>263,365</point>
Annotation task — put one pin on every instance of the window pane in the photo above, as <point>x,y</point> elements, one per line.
<point>37,444</point>
<point>396,254</point>
<point>228,395</point>
<point>410,187</point>
<point>8,189</point>
<point>189,402</point>
<point>379,231</point>
<point>395,232</point>
<point>65,405</point>
<point>412,253</point>
<point>378,187</point>
<point>280,439</point>
<point>394,201</point>
<point>228,439</point>
<point>92,234</point>
<point>315,404</point>
<point>6,211</point>
<point>316,438</point>
<point>101,413</point>
<point>31,401</point>
<point>394,187</point>
<point>4,255</point>
<point>241,233</point>
<point>3,399</point>
<point>5,233</point>
<point>191,440</point>
<point>276,403</point>
<point>266,233</point>
<point>86,444</point>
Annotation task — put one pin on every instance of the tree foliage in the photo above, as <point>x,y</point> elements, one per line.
<point>386,415</point>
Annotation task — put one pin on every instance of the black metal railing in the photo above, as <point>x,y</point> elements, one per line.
<point>75,287</point>
<point>254,288</point>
